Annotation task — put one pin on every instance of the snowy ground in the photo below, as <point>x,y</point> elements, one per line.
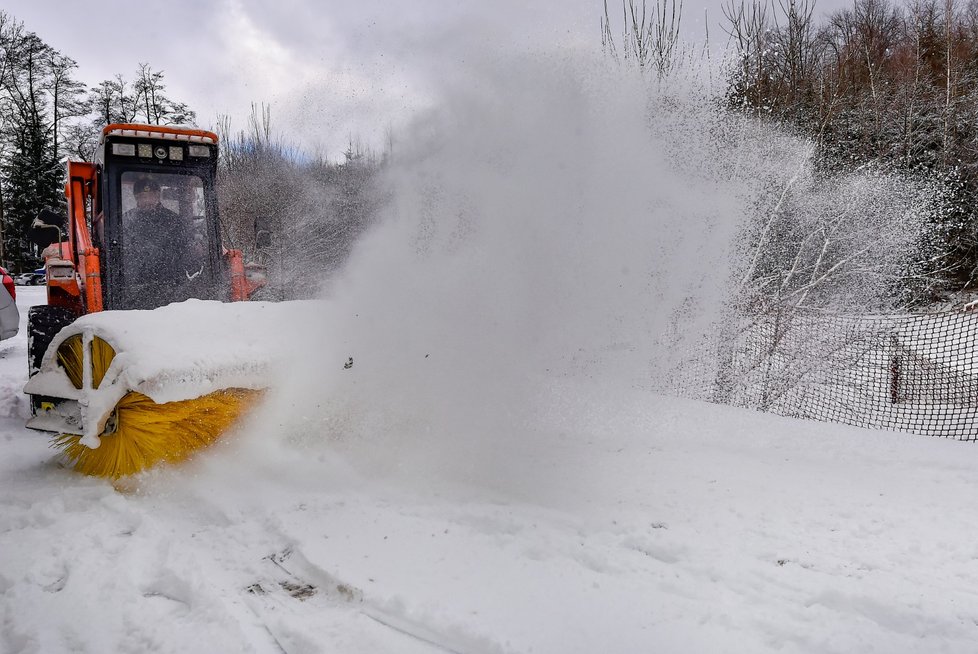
<point>653,525</point>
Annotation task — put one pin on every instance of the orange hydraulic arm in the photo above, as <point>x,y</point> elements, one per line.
<point>77,287</point>
<point>246,278</point>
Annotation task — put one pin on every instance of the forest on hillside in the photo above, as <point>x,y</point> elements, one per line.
<point>877,84</point>
<point>880,89</point>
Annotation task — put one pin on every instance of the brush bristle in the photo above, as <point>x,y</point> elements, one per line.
<point>148,433</point>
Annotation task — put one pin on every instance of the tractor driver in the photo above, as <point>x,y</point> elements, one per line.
<point>146,190</point>
<point>158,243</point>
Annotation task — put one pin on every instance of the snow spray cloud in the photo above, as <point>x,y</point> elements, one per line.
<point>554,224</point>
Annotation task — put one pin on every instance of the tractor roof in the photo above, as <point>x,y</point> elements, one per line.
<point>164,132</point>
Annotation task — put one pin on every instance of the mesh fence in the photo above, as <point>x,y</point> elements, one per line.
<point>915,373</point>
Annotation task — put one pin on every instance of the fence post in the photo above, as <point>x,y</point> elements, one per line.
<point>896,365</point>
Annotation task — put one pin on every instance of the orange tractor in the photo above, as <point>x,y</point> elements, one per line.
<point>142,232</point>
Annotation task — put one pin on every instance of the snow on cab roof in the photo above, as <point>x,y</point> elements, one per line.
<point>190,133</point>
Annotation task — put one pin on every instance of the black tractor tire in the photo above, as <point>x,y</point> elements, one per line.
<point>43,324</point>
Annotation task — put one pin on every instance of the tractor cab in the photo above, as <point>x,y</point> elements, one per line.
<point>142,229</point>
<point>157,228</point>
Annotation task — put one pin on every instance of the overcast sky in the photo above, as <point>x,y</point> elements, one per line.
<point>330,70</point>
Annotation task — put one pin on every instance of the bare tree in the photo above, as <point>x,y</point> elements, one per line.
<point>67,99</point>
<point>150,98</point>
<point>748,25</point>
<point>650,38</point>
<point>297,215</point>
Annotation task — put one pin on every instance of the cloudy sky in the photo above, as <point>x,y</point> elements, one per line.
<point>329,70</point>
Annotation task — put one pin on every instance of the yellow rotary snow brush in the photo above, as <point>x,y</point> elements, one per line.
<point>144,433</point>
<point>117,410</point>
<point>141,433</point>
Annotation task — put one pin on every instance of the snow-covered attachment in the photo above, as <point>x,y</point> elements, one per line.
<point>162,358</point>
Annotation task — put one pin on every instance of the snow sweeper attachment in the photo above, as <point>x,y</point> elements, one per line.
<point>128,389</point>
<point>138,356</point>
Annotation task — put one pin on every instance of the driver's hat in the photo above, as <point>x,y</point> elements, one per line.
<point>145,184</point>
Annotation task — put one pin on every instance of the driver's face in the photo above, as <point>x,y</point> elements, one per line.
<point>147,199</point>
